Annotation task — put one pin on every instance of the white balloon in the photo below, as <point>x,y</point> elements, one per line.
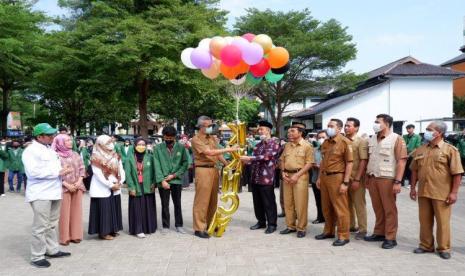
<point>186,58</point>
<point>205,43</point>
<point>239,81</point>
<point>229,39</point>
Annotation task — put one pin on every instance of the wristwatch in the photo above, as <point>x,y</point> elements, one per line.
<point>345,183</point>
<point>397,182</point>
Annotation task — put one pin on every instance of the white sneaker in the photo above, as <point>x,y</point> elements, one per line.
<point>164,231</point>
<point>141,235</point>
<point>180,230</point>
<point>3,195</point>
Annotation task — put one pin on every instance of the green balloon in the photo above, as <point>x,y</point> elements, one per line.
<point>252,80</point>
<point>272,77</point>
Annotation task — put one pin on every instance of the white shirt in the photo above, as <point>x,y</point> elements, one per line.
<point>42,167</point>
<point>100,186</point>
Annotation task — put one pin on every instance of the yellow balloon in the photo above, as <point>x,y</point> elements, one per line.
<point>264,41</point>
<point>216,45</point>
<point>214,71</point>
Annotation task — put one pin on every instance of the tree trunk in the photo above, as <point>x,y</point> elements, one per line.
<point>143,98</point>
<point>5,110</point>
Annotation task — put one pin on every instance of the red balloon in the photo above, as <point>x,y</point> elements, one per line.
<point>260,69</point>
<point>231,55</point>
<point>249,36</point>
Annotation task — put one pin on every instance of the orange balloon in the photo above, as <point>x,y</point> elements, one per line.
<point>213,71</point>
<point>242,67</point>
<point>216,45</point>
<point>228,72</point>
<point>278,57</point>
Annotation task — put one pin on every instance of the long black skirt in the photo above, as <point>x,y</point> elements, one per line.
<point>119,213</point>
<point>103,215</point>
<point>142,214</point>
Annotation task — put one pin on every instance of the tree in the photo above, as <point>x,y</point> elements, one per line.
<point>318,52</point>
<point>19,32</point>
<point>459,107</point>
<point>135,45</point>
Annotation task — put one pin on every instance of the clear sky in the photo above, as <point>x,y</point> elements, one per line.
<point>429,30</point>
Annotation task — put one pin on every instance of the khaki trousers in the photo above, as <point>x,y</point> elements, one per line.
<point>71,217</point>
<point>206,197</point>
<point>296,203</point>
<point>358,207</point>
<point>429,210</point>
<point>44,232</point>
<point>335,206</point>
<point>384,205</point>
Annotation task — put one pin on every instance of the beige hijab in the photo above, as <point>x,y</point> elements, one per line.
<point>105,158</point>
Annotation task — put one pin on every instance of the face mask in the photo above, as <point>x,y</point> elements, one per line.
<point>169,142</point>
<point>331,132</point>
<point>111,146</point>
<point>262,137</point>
<point>209,130</point>
<point>321,140</point>
<point>140,149</point>
<point>377,127</point>
<point>429,136</point>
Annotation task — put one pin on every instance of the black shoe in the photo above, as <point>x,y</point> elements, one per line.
<point>339,242</point>
<point>41,263</point>
<point>444,255</point>
<point>59,254</point>
<point>281,215</point>
<point>270,229</point>
<point>287,231</point>
<point>257,226</point>
<point>324,237</point>
<point>421,251</point>
<point>318,221</point>
<point>353,230</point>
<point>202,234</point>
<point>389,244</point>
<point>301,234</point>
<point>374,238</point>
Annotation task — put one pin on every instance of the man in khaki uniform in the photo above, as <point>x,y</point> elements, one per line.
<point>385,169</point>
<point>296,161</point>
<point>438,169</point>
<point>357,201</point>
<point>335,170</point>
<point>206,156</point>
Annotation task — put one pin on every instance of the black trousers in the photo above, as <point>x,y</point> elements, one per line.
<point>264,204</point>
<point>317,195</point>
<point>2,183</point>
<point>175,191</point>
<point>407,172</point>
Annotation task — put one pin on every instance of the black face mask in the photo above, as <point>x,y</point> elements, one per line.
<point>169,142</point>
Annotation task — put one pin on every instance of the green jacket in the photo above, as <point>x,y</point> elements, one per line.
<point>3,160</point>
<point>167,163</point>
<point>461,147</point>
<point>130,168</point>
<point>84,153</point>
<point>413,142</point>
<point>120,150</point>
<point>14,160</point>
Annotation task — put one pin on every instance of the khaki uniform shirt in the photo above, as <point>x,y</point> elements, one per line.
<point>296,156</point>
<point>360,152</point>
<point>335,153</point>
<point>200,144</point>
<point>436,166</point>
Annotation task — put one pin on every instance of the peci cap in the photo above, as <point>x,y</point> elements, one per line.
<point>265,124</point>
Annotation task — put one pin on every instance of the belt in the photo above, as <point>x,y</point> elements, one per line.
<point>331,173</point>
<point>292,171</point>
<point>205,166</point>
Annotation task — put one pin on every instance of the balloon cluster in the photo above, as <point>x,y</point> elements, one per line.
<point>248,58</point>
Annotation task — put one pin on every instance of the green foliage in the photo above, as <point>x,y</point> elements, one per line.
<point>459,107</point>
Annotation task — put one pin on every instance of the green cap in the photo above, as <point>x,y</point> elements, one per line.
<point>43,128</point>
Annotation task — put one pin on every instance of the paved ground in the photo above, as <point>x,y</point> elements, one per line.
<point>239,252</point>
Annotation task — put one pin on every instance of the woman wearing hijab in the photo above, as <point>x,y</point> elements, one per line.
<point>140,171</point>
<point>72,190</point>
<point>105,189</point>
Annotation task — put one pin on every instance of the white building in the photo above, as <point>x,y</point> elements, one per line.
<point>410,91</point>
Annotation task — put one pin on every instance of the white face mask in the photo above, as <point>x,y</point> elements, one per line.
<point>209,130</point>
<point>377,127</point>
<point>429,136</point>
<point>111,146</point>
<point>321,140</point>
<point>263,137</point>
<point>331,132</point>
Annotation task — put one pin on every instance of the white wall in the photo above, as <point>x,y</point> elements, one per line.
<point>414,99</point>
<point>405,99</point>
<point>364,107</point>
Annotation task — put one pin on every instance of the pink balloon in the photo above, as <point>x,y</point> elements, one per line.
<point>201,58</point>
<point>252,54</point>
<point>249,36</point>
<point>231,55</point>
